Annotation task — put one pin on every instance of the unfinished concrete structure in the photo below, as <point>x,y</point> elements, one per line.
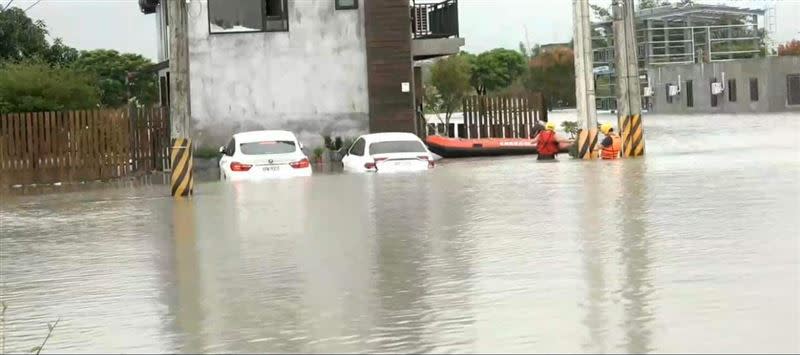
<point>332,67</point>
<point>668,35</point>
<point>748,85</point>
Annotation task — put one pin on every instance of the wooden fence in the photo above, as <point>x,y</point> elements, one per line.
<point>47,147</point>
<point>503,116</point>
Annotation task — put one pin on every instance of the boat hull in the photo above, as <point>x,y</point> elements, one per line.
<point>464,148</point>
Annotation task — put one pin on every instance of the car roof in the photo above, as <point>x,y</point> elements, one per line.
<point>390,136</point>
<point>264,135</point>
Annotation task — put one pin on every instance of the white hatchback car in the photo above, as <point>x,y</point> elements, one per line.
<point>260,155</point>
<point>388,152</point>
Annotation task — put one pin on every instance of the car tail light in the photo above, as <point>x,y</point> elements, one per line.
<point>428,159</point>
<point>374,165</point>
<point>302,164</point>
<point>237,166</point>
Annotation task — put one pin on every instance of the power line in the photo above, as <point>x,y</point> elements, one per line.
<point>7,5</point>
<point>32,5</point>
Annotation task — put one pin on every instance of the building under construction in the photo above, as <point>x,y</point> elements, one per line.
<point>667,35</point>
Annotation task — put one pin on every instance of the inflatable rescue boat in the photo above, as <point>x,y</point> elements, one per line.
<point>461,148</point>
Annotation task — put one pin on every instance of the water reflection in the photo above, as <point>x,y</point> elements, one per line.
<point>635,257</point>
<point>594,245</point>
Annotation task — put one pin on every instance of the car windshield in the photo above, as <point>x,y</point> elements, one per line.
<point>267,147</point>
<point>396,147</point>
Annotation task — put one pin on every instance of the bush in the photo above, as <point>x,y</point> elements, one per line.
<point>35,87</point>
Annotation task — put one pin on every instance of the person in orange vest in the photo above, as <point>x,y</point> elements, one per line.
<point>548,143</point>
<point>611,145</point>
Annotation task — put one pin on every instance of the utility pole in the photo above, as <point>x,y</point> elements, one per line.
<point>629,97</point>
<point>180,116</point>
<point>584,79</point>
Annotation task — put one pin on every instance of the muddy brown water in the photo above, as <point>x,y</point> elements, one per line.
<point>693,248</point>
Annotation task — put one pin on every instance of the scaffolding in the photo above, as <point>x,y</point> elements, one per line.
<point>674,34</point>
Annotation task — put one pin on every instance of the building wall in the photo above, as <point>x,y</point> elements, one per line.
<point>771,73</point>
<point>311,80</point>
<point>388,35</point>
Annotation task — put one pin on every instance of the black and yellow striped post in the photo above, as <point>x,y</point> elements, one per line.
<point>182,183</point>
<point>587,140</point>
<point>632,135</point>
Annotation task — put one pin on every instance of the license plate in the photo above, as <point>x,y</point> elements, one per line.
<point>270,168</point>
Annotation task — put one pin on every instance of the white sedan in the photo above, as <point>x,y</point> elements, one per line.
<point>387,152</point>
<point>260,155</point>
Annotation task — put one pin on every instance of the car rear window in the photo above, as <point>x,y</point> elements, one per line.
<point>396,147</point>
<point>267,147</point>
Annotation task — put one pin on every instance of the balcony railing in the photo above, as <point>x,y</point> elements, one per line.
<point>434,19</point>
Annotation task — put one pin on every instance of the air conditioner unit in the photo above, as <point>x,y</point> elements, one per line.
<point>716,88</point>
<point>648,91</point>
<point>674,90</point>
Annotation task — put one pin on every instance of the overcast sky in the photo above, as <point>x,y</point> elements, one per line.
<point>485,24</point>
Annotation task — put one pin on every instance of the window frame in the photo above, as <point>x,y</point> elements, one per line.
<point>789,78</point>
<point>342,7</point>
<point>363,148</point>
<point>732,94</point>
<point>264,19</point>
<point>689,93</point>
<point>754,97</point>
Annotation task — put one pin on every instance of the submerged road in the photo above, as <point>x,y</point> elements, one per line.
<point>693,248</point>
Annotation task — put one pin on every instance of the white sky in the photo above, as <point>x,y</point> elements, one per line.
<point>485,24</point>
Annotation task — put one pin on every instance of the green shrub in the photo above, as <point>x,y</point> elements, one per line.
<point>36,87</point>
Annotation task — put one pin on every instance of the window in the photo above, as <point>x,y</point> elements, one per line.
<point>396,147</point>
<point>689,94</point>
<point>714,98</point>
<point>230,149</point>
<point>236,16</point>
<point>793,89</point>
<point>753,89</point>
<point>268,147</point>
<point>732,90</point>
<point>346,4</point>
<point>358,147</point>
<point>666,92</point>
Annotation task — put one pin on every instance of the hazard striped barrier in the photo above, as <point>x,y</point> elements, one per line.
<point>181,159</point>
<point>587,140</point>
<point>632,136</point>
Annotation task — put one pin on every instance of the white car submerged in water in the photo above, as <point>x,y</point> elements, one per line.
<point>387,152</point>
<point>258,155</point>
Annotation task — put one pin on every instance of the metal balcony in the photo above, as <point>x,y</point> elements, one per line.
<point>431,19</point>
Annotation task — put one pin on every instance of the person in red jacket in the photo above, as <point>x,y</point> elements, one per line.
<point>548,142</point>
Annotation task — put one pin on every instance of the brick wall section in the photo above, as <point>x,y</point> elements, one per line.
<point>388,42</point>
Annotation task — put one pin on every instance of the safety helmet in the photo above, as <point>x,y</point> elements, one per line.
<point>550,126</point>
<point>605,128</point>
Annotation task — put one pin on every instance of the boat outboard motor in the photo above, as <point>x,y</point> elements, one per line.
<point>148,6</point>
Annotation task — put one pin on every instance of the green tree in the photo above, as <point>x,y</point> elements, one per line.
<point>496,69</point>
<point>20,37</point>
<point>110,68</point>
<point>449,83</point>
<point>32,87</point>
<point>601,13</point>
<point>60,54</point>
<point>649,4</point>
<point>553,74</point>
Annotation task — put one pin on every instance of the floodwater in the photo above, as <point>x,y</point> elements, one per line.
<point>694,248</point>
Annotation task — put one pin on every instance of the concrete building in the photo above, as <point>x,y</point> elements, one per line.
<point>333,67</point>
<point>747,85</point>
<point>675,34</point>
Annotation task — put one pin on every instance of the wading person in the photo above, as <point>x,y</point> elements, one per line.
<point>610,146</point>
<point>548,143</point>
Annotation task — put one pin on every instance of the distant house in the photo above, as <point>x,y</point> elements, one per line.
<point>339,67</point>
<point>549,47</point>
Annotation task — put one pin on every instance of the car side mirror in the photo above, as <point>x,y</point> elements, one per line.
<point>301,145</point>
<point>222,150</point>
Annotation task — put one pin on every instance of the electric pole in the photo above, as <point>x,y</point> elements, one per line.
<point>180,115</point>
<point>629,98</point>
<point>584,79</point>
